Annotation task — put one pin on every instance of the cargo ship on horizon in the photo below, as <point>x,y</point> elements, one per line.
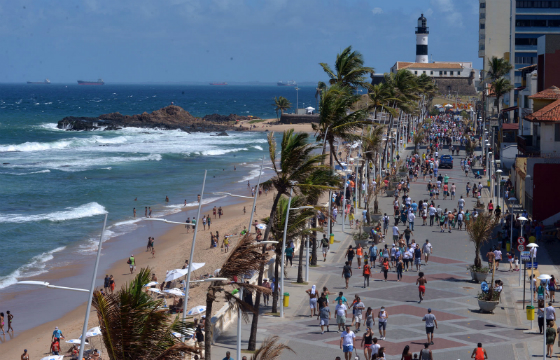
<point>218,83</point>
<point>46,82</point>
<point>288,83</point>
<point>98,82</point>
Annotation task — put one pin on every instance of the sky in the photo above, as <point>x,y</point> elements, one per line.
<point>141,41</point>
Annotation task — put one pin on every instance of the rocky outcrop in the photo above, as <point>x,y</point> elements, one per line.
<point>227,118</point>
<point>170,117</point>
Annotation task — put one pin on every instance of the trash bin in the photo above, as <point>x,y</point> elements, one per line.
<point>331,239</point>
<point>488,181</point>
<point>286,299</point>
<point>530,312</point>
<point>508,246</point>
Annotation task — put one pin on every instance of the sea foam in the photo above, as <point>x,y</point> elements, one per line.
<point>70,213</point>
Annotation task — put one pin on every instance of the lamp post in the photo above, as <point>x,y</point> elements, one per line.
<point>284,251</point>
<point>532,252</point>
<point>297,99</point>
<point>345,199</point>
<point>522,220</point>
<point>544,277</point>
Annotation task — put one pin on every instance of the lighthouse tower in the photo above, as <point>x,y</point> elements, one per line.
<point>422,40</point>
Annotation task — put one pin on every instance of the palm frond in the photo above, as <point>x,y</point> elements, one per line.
<point>271,349</point>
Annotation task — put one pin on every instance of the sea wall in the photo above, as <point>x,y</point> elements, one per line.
<point>299,119</point>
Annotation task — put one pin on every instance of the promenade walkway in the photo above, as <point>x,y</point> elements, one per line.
<point>450,294</point>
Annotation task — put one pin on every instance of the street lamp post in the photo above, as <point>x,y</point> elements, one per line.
<point>522,220</point>
<point>284,251</point>
<point>499,180</point>
<point>544,277</point>
<point>297,99</point>
<point>532,252</point>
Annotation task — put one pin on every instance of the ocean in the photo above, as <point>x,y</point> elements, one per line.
<point>56,185</point>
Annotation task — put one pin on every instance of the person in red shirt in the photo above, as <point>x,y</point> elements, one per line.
<point>55,347</point>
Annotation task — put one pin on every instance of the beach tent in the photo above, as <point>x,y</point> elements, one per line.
<point>174,292</point>
<point>76,341</point>
<point>156,290</point>
<point>53,357</point>
<point>261,226</point>
<point>176,274</point>
<point>151,283</point>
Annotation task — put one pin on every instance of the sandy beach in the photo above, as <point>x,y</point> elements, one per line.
<point>172,249</point>
<point>272,125</point>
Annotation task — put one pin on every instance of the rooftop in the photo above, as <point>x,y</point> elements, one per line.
<point>551,93</point>
<point>440,65</point>
<point>549,113</point>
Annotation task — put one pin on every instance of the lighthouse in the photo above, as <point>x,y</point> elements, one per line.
<point>422,40</point>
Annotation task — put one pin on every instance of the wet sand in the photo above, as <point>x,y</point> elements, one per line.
<point>172,249</point>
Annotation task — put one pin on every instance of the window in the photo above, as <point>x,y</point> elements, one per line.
<point>536,23</point>
<point>482,16</point>
<point>424,72</point>
<point>524,41</point>
<point>483,5</point>
<point>553,23</point>
<point>431,72</point>
<point>482,26</point>
<point>556,132</point>
<point>440,73</point>
<point>538,4</point>
<point>451,73</point>
<point>458,73</point>
<point>415,72</point>
<point>525,60</point>
<point>445,73</point>
<point>481,47</point>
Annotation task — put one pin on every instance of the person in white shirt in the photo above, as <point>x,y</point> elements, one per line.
<point>347,342</point>
<point>341,313</point>
<point>395,234</point>
<point>411,218</point>
<point>461,203</point>
<point>427,250</point>
<point>497,257</point>
<point>432,212</point>
<point>550,314</point>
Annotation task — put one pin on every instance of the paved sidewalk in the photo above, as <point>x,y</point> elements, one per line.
<point>450,293</point>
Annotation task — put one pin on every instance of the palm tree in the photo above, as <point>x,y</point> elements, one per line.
<point>298,161</point>
<point>318,91</point>
<point>349,69</point>
<point>379,100</point>
<point>335,119</point>
<point>418,137</point>
<point>245,258</point>
<point>479,232</point>
<point>133,328</point>
<point>270,349</point>
<point>500,87</point>
<point>498,67</point>
<point>281,104</point>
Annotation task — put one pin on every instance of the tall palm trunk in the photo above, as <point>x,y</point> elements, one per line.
<point>300,262</point>
<point>275,293</point>
<point>255,323</point>
<point>314,241</point>
<point>208,333</point>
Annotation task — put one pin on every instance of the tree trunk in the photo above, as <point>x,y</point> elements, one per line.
<point>275,293</point>
<point>255,323</point>
<point>314,243</point>
<point>210,297</point>
<point>300,264</point>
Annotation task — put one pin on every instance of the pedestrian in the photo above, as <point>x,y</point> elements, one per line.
<point>425,353</point>
<point>350,255</point>
<point>326,247</point>
<point>199,335</point>
<point>289,255</point>
<point>411,218</point>
<point>347,339</point>
<point>407,232</point>
<point>396,234</point>
<point>112,283</point>
<point>313,295</point>
<point>479,353</point>
<point>540,315</point>
<point>347,273</point>
<point>385,267</point>
<point>552,288</point>
<point>341,314</point>
<point>325,315</point>
<point>366,273</point>
<point>266,297</point>
<point>131,263</point>
<point>373,254</point>
<point>106,283</point>
<point>357,309</point>
<point>228,354</point>
<point>2,322</point>
<point>400,265</point>
<point>427,250</point>
<point>550,313</point>
<point>25,355</point>
<point>367,342</point>
<point>550,338</point>
<point>382,318</point>
<point>430,320</point>
<point>56,335</point>
<point>359,255</point>
<point>421,282</point>
<point>55,347</point>
<point>417,257</point>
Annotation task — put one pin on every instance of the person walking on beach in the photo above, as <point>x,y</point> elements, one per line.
<point>479,353</point>
<point>112,284</point>
<point>25,355</point>
<point>149,212</point>
<point>146,211</point>
<point>421,282</point>
<point>56,335</point>
<point>430,320</point>
<point>106,284</point>
<point>10,318</point>
<point>131,263</point>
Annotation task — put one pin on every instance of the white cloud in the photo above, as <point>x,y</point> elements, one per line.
<point>377,11</point>
<point>450,14</point>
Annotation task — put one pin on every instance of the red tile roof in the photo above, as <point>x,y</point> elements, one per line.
<point>402,64</point>
<point>551,93</point>
<point>549,113</point>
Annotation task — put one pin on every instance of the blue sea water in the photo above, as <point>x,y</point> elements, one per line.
<point>55,185</point>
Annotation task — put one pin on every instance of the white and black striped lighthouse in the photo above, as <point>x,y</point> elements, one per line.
<point>422,40</point>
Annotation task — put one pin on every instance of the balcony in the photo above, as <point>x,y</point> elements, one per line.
<point>525,146</point>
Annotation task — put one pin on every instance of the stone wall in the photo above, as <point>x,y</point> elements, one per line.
<point>299,119</point>
<point>465,86</point>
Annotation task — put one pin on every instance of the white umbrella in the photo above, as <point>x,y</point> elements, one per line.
<point>310,108</point>
<point>53,357</point>
<point>151,283</point>
<point>437,105</point>
<point>175,292</point>
<point>156,290</point>
<point>261,226</point>
<point>449,105</point>
<point>76,341</point>
<point>197,310</point>
<point>176,274</point>
<point>176,334</point>
<point>196,266</point>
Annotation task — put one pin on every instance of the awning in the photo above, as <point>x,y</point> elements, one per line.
<point>511,108</point>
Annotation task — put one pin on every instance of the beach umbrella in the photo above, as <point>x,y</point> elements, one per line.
<point>176,274</point>
<point>174,292</point>
<point>76,341</point>
<point>448,105</point>
<point>151,283</point>
<point>196,266</point>
<point>156,290</point>
<point>197,310</point>
<point>53,357</point>
<point>310,108</point>
<point>437,105</point>
<point>261,226</point>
